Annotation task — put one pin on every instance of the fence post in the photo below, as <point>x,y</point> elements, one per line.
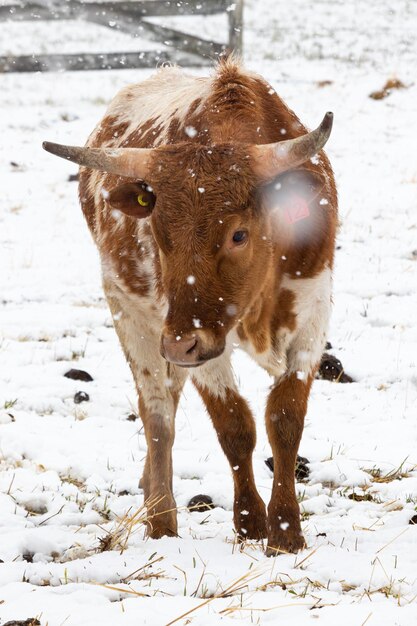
<point>236,27</point>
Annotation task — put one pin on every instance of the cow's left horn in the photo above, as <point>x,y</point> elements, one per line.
<point>272,159</point>
<point>129,162</point>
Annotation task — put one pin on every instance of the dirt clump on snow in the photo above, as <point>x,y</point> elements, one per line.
<point>332,369</point>
<point>302,470</point>
<point>392,83</point>
<point>75,374</point>
<point>200,503</point>
<point>81,396</point>
<point>324,83</point>
<point>32,621</point>
<point>358,497</point>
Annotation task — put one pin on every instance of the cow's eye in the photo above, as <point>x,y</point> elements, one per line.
<point>240,237</point>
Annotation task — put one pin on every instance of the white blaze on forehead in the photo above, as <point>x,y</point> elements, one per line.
<point>165,96</point>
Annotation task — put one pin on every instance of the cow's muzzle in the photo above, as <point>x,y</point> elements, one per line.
<point>187,350</point>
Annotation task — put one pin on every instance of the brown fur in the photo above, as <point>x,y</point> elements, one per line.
<point>285,412</point>
<point>236,431</point>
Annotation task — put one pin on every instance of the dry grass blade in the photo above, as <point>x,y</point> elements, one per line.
<point>235,587</point>
<point>306,557</point>
<point>363,623</point>
<point>121,590</point>
<point>51,516</point>
<point>392,540</point>
<point>137,575</point>
<point>177,619</point>
<point>273,583</point>
<point>240,583</point>
<point>285,585</point>
<point>117,538</point>
<point>396,474</point>
<point>140,574</point>
<point>194,594</point>
<point>234,609</point>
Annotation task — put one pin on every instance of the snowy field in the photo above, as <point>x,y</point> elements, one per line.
<point>69,472</point>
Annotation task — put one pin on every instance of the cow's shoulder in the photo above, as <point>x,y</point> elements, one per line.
<point>297,326</point>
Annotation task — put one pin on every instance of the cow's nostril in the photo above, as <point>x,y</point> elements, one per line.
<point>180,350</point>
<point>192,348</point>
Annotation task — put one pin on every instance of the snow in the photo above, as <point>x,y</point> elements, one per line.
<point>69,472</point>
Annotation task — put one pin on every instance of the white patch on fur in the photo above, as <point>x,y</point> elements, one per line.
<point>312,308</point>
<point>272,361</point>
<point>146,265</point>
<point>217,374</point>
<point>139,327</point>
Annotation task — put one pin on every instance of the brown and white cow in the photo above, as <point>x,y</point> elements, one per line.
<point>214,212</point>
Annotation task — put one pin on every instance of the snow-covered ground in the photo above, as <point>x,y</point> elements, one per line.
<point>69,473</point>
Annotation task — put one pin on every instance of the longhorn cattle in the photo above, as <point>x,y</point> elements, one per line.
<point>214,212</point>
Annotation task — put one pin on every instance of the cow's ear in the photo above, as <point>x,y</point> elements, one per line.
<point>294,194</point>
<point>134,199</point>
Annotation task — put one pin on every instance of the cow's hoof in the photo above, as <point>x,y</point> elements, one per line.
<point>285,542</point>
<point>250,522</point>
<point>162,525</point>
<point>161,518</point>
<point>157,532</point>
<point>255,530</point>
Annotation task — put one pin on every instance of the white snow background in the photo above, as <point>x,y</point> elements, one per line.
<point>69,473</point>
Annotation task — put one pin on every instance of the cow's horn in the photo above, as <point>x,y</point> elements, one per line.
<point>272,159</point>
<point>129,162</point>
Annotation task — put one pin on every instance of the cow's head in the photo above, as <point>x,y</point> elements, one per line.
<point>211,218</point>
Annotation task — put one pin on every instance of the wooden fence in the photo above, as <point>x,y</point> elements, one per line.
<point>127,17</point>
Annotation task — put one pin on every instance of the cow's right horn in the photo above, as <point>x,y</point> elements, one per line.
<point>129,162</point>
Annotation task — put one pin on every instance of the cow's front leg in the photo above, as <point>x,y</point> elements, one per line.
<point>159,393</point>
<point>159,385</point>
<point>286,409</point>
<point>236,432</point>
<point>157,476</point>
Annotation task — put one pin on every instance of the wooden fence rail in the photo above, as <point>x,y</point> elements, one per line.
<point>126,17</point>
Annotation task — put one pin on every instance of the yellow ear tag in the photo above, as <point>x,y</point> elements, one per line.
<point>142,201</point>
